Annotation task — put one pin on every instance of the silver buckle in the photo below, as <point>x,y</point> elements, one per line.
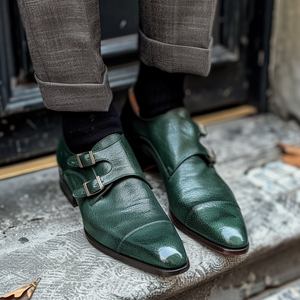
<point>211,154</point>
<point>91,156</point>
<point>87,190</point>
<point>203,129</point>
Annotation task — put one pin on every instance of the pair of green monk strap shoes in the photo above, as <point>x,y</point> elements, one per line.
<point>121,215</point>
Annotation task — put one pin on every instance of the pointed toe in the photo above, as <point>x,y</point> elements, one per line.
<point>219,226</point>
<point>171,257</point>
<point>234,237</point>
<point>158,244</point>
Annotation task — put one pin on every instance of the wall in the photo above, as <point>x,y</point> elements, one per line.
<point>285,59</point>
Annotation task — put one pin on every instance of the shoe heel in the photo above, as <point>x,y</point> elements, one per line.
<point>145,160</point>
<point>67,192</point>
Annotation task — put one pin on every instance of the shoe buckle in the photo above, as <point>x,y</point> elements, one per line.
<point>87,189</point>
<point>91,157</point>
<point>202,129</point>
<point>211,154</point>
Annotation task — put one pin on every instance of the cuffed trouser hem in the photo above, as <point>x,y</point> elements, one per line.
<point>76,97</point>
<point>174,58</point>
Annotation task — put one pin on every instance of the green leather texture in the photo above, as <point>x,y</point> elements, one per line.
<point>124,214</point>
<point>198,197</point>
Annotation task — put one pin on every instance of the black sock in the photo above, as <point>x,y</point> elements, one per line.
<point>158,91</point>
<point>82,130</point>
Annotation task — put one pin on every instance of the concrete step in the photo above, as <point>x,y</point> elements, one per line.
<point>41,234</point>
<point>290,291</point>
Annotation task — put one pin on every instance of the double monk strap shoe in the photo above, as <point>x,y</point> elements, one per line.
<point>121,215</point>
<point>201,204</point>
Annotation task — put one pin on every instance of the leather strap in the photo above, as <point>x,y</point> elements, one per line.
<point>186,142</point>
<point>202,130</point>
<point>206,153</point>
<point>123,164</point>
<point>90,158</point>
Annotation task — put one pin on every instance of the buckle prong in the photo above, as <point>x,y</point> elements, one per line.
<point>91,157</point>
<point>211,154</point>
<point>203,130</point>
<point>87,190</point>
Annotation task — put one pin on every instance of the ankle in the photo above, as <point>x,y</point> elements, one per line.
<point>82,130</point>
<point>158,91</point>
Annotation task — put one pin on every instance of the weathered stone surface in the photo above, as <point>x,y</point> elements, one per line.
<point>269,272</point>
<point>41,234</point>
<point>249,142</point>
<point>288,291</point>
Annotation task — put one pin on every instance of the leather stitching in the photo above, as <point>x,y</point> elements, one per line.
<point>137,229</point>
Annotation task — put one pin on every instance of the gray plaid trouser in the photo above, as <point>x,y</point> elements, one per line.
<point>64,41</point>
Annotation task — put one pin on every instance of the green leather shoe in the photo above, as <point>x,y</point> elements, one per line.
<point>121,216</point>
<point>201,204</point>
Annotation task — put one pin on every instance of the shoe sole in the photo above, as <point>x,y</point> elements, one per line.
<point>148,162</point>
<point>207,243</point>
<point>125,259</point>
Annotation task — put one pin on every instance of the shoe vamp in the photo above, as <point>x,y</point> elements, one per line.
<point>130,204</point>
<point>156,243</point>
<point>201,200</point>
<point>194,183</point>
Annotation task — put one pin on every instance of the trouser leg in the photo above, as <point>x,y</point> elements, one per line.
<point>64,42</point>
<point>175,35</point>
